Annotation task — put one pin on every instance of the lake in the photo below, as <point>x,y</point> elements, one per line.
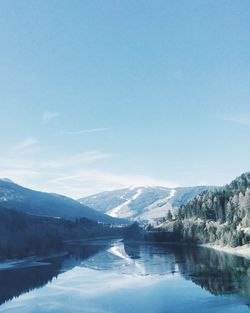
<point>113,277</point>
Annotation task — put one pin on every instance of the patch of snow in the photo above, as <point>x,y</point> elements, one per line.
<point>123,210</point>
<point>132,188</point>
<point>159,208</point>
<point>246,230</point>
<point>241,250</point>
<point>166,226</point>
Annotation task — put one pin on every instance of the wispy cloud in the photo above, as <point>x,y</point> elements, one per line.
<point>239,118</point>
<point>74,175</point>
<point>76,160</point>
<point>25,144</point>
<point>48,116</point>
<point>92,181</point>
<point>85,131</point>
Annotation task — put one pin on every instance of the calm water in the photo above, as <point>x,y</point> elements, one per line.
<point>112,277</point>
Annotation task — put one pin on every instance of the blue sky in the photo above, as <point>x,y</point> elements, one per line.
<point>97,95</point>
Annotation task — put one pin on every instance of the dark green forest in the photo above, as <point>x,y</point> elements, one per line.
<point>221,216</point>
<point>23,235</point>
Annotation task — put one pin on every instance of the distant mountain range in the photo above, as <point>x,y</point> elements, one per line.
<point>134,203</point>
<point>38,203</point>
<point>142,203</point>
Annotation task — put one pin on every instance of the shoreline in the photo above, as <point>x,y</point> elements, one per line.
<point>243,251</point>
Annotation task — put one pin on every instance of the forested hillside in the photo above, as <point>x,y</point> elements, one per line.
<point>221,216</point>
<point>46,204</point>
<point>23,234</point>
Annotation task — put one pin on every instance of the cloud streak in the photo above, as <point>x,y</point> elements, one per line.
<point>25,144</point>
<point>85,131</point>
<point>47,116</point>
<point>76,160</point>
<point>74,175</point>
<point>90,181</point>
<point>238,118</point>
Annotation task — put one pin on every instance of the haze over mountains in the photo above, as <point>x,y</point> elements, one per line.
<point>142,203</point>
<point>13,196</point>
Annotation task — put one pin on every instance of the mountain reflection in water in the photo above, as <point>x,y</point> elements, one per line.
<point>30,275</point>
<point>219,273</point>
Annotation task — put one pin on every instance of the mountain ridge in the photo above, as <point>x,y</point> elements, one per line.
<point>142,203</point>
<point>14,196</point>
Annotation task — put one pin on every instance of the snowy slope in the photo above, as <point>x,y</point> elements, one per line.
<point>124,208</point>
<point>141,203</point>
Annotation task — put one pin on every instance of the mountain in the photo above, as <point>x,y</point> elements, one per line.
<point>219,217</point>
<point>22,234</point>
<point>142,203</point>
<point>46,204</point>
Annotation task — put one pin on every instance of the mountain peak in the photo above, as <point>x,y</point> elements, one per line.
<point>7,180</point>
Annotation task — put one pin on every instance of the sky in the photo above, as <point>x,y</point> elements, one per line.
<point>99,95</point>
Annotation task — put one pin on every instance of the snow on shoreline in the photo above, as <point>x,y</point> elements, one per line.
<point>243,251</point>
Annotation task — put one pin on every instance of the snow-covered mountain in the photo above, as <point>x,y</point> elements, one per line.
<point>142,203</point>
<point>33,202</point>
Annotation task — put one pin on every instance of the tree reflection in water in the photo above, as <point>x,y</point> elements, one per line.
<point>217,272</point>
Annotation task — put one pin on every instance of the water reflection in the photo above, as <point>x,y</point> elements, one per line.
<point>105,271</point>
<point>219,273</point>
<point>30,274</point>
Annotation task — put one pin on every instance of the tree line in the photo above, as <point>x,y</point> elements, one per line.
<point>221,216</point>
<point>22,234</point>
